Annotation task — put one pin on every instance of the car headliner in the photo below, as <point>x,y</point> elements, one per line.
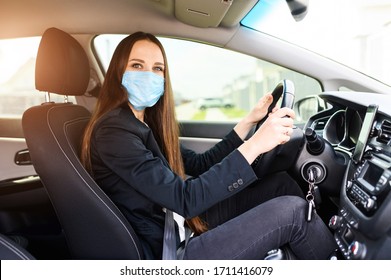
<point>32,18</point>
<point>88,18</point>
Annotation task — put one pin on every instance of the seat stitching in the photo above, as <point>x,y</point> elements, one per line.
<point>13,248</point>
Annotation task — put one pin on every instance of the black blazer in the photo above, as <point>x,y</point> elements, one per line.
<point>129,166</point>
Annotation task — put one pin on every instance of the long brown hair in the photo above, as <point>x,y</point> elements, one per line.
<point>160,118</point>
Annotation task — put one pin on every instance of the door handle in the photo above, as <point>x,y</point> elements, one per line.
<point>22,157</point>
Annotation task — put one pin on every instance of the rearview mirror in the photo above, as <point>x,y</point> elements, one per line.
<point>298,8</point>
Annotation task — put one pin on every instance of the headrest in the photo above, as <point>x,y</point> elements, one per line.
<point>62,65</point>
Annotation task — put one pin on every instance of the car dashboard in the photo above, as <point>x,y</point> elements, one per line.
<point>360,130</point>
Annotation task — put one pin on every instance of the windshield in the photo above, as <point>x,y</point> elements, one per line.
<point>356,33</point>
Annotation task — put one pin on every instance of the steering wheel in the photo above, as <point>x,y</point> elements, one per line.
<point>285,90</point>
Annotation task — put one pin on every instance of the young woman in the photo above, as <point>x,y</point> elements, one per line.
<point>131,147</point>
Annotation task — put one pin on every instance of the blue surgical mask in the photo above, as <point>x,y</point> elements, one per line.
<point>144,88</point>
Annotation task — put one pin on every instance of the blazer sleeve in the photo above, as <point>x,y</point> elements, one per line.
<point>196,164</point>
<point>122,150</point>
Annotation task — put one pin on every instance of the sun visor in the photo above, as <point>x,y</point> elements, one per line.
<point>202,13</point>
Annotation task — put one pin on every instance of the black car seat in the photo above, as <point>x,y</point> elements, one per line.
<point>10,250</point>
<point>93,226</point>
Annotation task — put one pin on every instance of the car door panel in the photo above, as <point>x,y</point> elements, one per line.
<point>24,203</point>
<point>201,136</point>
<point>9,147</point>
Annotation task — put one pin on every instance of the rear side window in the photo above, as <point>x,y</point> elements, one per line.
<point>215,84</point>
<point>17,80</point>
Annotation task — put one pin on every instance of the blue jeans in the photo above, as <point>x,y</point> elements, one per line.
<point>262,217</point>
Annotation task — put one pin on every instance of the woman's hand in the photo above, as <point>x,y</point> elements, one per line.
<point>276,130</point>
<point>260,109</point>
<point>257,113</point>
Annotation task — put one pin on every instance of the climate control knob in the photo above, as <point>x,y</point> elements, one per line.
<point>335,222</point>
<point>357,250</point>
<point>370,204</point>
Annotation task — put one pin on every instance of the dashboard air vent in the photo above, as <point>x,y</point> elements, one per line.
<point>384,135</point>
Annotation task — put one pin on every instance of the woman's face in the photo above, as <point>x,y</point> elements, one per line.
<point>146,56</point>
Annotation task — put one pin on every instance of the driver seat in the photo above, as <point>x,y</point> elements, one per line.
<point>93,226</point>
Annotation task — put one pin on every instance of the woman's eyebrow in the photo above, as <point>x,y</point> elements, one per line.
<point>142,61</point>
<point>136,59</point>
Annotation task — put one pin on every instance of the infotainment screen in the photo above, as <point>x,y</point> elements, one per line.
<point>364,133</point>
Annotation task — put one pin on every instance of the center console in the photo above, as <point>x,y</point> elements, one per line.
<point>369,186</point>
<point>363,224</point>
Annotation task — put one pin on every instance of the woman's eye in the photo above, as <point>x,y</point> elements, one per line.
<point>158,68</point>
<point>136,65</point>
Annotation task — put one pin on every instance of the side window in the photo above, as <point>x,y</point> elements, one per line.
<point>214,84</point>
<point>17,79</point>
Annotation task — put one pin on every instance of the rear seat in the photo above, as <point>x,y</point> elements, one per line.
<point>10,250</point>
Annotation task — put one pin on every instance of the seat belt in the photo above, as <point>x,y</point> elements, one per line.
<point>182,249</point>
<point>169,238</point>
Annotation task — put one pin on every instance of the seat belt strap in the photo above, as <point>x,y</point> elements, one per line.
<point>169,238</point>
<point>182,249</point>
